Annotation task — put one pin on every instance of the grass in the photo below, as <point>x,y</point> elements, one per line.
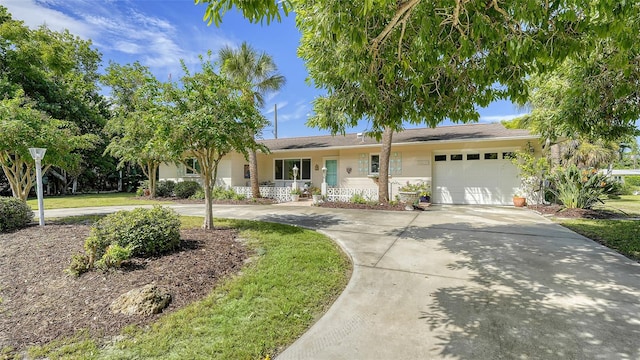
<point>92,200</point>
<point>293,279</point>
<point>628,204</point>
<point>620,235</point>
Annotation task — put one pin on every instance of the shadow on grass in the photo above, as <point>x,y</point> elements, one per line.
<point>312,221</point>
<point>534,291</point>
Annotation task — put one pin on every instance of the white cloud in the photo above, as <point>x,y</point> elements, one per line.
<point>495,118</point>
<point>281,105</point>
<point>34,15</point>
<point>299,112</point>
<point>121,32</point>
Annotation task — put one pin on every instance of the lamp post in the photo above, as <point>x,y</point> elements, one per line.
<point>323,189</point>
<point>38,154</point>
<point>295,176</point>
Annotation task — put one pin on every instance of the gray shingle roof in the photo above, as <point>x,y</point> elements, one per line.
<point>444,133</point>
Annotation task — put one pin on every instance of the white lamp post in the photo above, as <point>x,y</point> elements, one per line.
<point>295,176</point>
<point>323,189</point>
<point>38,155</point>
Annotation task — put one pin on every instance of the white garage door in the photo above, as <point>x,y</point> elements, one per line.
<point>484,177</point>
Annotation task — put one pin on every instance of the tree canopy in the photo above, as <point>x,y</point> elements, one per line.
<point>211,118</point>
<point>424,62</point>
<point>256,75</point>
<point>138,109</point>
<point>23,126</point>
<point>56,74</point>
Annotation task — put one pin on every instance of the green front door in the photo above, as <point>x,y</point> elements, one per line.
<point>332,172</point>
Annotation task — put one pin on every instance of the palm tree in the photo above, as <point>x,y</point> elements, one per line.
<point>257,75</point>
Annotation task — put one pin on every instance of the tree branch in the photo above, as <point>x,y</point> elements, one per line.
<point>399,16</point>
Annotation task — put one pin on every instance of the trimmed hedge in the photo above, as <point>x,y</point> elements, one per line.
<point>14,214</point>
<point>186,189</point>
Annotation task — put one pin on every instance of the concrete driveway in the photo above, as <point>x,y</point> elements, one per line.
<point>464,282</point>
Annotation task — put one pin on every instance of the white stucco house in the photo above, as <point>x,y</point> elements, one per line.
<point>465,164</point>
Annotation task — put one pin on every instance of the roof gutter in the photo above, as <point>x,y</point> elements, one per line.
<point>347,147</point>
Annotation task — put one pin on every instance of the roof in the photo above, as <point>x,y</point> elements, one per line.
<point>455,133</point>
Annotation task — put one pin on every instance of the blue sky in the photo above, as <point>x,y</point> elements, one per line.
<point>158,33</point>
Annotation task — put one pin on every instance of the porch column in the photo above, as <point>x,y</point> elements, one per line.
<point>323,188</point>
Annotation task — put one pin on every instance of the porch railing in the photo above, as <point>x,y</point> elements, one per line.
<point>283,194</point>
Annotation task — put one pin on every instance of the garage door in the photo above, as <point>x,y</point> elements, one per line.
<point>480,177</point>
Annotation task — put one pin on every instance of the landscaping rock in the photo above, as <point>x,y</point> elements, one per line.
<point>146,300</point>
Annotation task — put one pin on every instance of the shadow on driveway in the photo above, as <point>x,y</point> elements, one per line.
<point>532,291</point>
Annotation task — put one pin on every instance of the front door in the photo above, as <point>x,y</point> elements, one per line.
<point>332,172</point>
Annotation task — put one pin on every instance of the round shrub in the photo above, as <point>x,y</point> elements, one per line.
<point>14,214</point>
<point>165,188</point>
<point>144,232</point>
<point>186,189</point>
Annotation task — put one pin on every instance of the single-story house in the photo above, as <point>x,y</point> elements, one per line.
<point>465,164</point>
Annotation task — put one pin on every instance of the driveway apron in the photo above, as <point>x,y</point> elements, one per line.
<point>463,282</point>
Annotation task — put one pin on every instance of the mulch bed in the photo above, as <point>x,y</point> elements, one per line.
<point>251,201</point>
<point>368,206</point>
<point>39,302</point>
<point>561,212</point>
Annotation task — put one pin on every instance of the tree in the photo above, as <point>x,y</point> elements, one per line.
<point>424,62</point>
<point>211,119</point>
<point>23,126</point>
<point>138,110</point>
<point>58,73</point>
<point>257,75</point>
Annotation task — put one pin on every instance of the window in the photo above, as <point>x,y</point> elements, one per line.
<point>456,157</point>
<point>375,164</point>
<point>192,166</point>
<point>491,156</point>
<point>247,172</point>
<point>473,156</point>
<point>508,155</point>
<point>441,158</point>
<point>284,169</point>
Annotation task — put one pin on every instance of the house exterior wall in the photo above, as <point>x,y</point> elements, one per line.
<point>408,163</point>
<point>178,173</point>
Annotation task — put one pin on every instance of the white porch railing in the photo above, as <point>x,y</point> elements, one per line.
<point>345,194</point>
<point>283,194</point>
<point>279,194</point>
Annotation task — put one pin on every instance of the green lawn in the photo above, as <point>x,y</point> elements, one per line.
<point>620,235</point>
<point>629,204</point>
<point>296,276</point>
<point>91,200</point>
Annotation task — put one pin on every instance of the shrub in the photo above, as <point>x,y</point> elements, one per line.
<point>186,189</point>
<point>119,236</point>
<point>222,193</point>
<point>632,180</point>
<point>144,185</point>
<point>80,264</point>
<point>113,256</point>
<point>14,214</point>
<point>577,188</point>
<point>164,188</point>
<point>358,199</point>
<point>198,195</point>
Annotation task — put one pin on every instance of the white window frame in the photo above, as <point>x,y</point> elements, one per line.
<point>188,171</point>
<point>299,170</point>
<point>371,172</point>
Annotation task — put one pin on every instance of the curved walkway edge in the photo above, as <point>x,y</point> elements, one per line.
<point>461,282</point>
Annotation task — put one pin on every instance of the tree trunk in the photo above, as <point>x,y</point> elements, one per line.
<point>383,175</point>
<point>208,206</point>
<point>208,187</point>
<point>19,175</point>
<point>253,170</point>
